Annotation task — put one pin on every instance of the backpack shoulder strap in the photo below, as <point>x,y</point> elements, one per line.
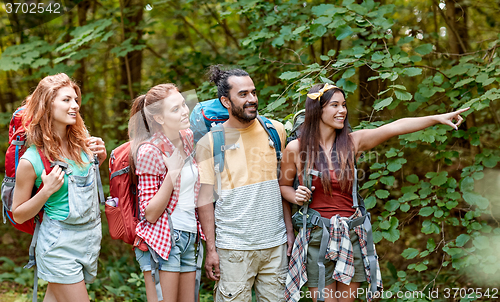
<point>357,200</point>
<point>46,165</point>
<point>218,150</point>
<point>271,131</point>
<point>218,153</point>
<point>274,139</point>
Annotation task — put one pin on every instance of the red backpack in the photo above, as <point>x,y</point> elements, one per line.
<point>16,149</point>
<point>122,206</point>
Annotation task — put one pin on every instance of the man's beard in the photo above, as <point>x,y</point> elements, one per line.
<point>240,114</point>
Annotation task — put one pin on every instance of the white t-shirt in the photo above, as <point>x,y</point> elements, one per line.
<point>183,216</point>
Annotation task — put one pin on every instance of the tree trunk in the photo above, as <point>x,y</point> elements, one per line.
<point>456,15</point>
<point>80,73</point>
<point>130,79</point>
<point>456,20</point>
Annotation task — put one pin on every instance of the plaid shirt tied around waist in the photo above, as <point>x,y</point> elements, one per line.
<point>339,249</point>
<point>151,171</point>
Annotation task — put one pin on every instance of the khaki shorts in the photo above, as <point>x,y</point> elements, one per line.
<point>312,260</point>
<point>265,270</point>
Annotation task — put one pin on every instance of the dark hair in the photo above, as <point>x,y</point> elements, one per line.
<point>219,77</point>
<point>342,155</point>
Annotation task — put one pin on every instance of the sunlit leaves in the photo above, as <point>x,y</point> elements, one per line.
<point>424,49</point>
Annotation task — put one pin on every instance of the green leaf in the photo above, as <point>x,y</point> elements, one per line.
<point>439,213</point>
<point>388,180</point>
<point>411,287</point>
<point>392,205</point>
<point>405,207</point>
<point>415,58</point>
<point>463,82</point>
<point>403,95</point>
<point>420,267</point>
<point>279,41</point>
<point>424,49</point>
<point>457,70</point>
<point>343,32</point>
<point>378,56</point>
<point>392,235</point>
<point>326,80</point>
<point>451,204</point>
<point>382,194</point>
<point>370,202</point>
<point>481,242</point>
<point>440,179</point>
<point>412,71</point>
<point>383,103</point>
<point>318,30</point>
<point>410,253</point>
<point>377,236</point>
<point>395,164</point>
<point>369,184</point>
<point>412,178</point>
<point>288,75</point>
<point>331,52</point>
<point>426,211</point>
<point>349,73</point>
<point>462,239</point>
<point>473,198</point>
<point>385,225</point>
<point>431,244</point>
<point>428,227</point>
<point>324,58</point>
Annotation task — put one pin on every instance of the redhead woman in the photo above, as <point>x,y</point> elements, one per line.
<point>328,146</point>
<point>168,186</point>
<point>69,240</point>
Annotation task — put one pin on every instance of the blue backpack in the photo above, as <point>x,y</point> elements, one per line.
<point>206,115</point>
<point>209,116</point>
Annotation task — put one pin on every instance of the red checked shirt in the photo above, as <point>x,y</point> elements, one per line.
<point>151,171</point>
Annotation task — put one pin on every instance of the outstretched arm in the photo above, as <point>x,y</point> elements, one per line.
<point>369,138</point>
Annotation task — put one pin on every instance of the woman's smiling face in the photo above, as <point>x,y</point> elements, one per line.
<point>334,112</point>
<point>65,107</point>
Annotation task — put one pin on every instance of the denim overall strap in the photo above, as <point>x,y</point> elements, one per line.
<point>82,197</point>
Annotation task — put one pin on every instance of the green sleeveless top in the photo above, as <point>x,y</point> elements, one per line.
<point>57,206</point>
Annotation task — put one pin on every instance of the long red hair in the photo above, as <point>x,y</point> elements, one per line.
<point>37,119</point>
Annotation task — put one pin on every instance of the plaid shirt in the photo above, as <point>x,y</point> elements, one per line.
<point>339,250</point>
<point>151,171</point>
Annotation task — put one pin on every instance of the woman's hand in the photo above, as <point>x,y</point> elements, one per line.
<point>303,194</point>
<point>53,181</point>
<point>96,145</point>
<point>174,164</point>
<point>448,118</point>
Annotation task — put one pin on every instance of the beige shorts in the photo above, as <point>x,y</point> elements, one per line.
<point>265,270</point>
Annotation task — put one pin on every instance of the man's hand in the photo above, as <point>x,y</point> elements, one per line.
<point>212,266</point>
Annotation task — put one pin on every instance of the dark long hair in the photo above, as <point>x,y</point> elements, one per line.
<point>311,152</point>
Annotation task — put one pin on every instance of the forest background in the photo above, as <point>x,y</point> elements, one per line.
<point>433,195</point>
